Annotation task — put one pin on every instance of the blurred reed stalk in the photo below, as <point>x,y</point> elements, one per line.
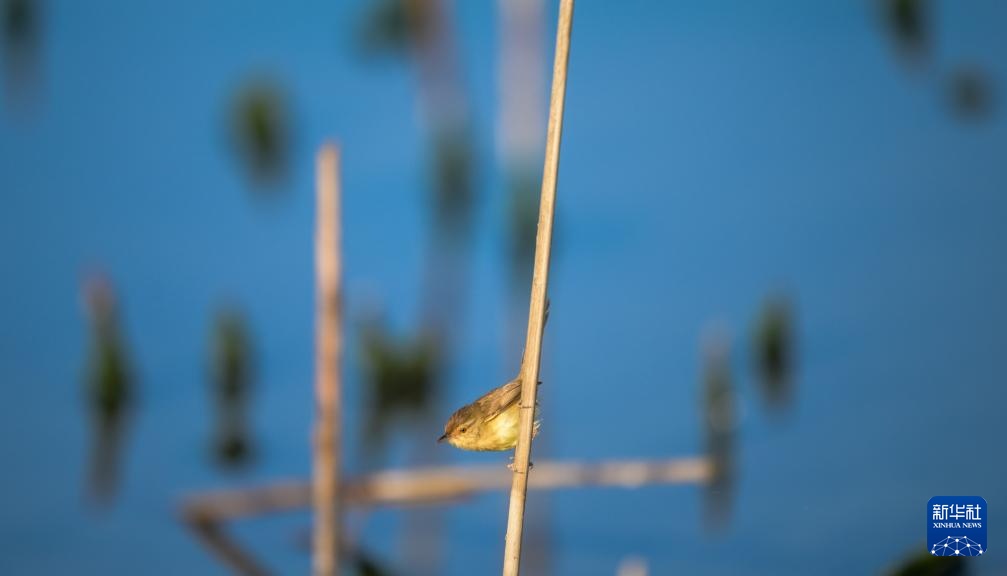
<point>328,351</point>
<point>539,288</point>
<point>206,513</point>
<point>633,566</point>
<point>215,537</point>
<point>439,485</point>
<point>521,83</point>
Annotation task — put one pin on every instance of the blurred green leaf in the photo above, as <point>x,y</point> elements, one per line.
<point>523,217</point>
<point>453,172</point>
<point>908,22</point>
<point>385,28</point>
<point>232,375</point>
<point>20,20</point>
<point>393,27</point>
<point>109,383</point>
<point>261,129</point>
<point>109,387</point>
<point>774,349</point>
<point>401,375</point>
<point>971,93</point>
<point>367,565</point>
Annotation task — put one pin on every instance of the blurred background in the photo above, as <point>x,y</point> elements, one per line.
<point>778,242</point>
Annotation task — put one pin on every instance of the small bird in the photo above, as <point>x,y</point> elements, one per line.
<point>489,423</point>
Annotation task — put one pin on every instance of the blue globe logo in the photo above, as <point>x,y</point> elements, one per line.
<point>957,546</point>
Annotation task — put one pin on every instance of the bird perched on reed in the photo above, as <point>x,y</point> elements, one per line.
<point>490,423</point>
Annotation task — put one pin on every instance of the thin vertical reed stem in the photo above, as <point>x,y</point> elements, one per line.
<point>539,285</point>
<point>328,362</point>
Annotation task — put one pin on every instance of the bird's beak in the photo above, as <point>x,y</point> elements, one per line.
<point>442,438</point>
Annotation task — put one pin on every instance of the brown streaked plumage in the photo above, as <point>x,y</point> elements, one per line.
<point>489,423</point>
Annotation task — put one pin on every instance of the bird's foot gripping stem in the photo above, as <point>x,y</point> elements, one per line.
<point>510,466</point>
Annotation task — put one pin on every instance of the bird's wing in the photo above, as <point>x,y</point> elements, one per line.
<point>500,399</point>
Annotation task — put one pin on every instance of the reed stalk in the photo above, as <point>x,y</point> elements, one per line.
<point>328,362</point>
<point>439,485</point>
<point>539,290</point>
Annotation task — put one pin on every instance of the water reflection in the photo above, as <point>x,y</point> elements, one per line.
<point>231,385</point>
<point>720,419</point>
<point>364,564</point>
<point>971,93</point>
<point>109,388</point>
<point>21,34</point>
<point>408,374</point>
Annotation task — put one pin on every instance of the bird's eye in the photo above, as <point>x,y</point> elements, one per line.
<point>462,430</point>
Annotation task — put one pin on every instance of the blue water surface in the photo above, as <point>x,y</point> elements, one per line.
<point>713,153</point>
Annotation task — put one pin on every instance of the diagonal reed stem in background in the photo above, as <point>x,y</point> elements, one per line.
<point>439,485</point>
<point>207,513</point>
<point>215,538</point>
<point>539,286</point>
<point>328,362</point>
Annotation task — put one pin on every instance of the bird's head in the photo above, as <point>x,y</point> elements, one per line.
<point>462,429</point>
